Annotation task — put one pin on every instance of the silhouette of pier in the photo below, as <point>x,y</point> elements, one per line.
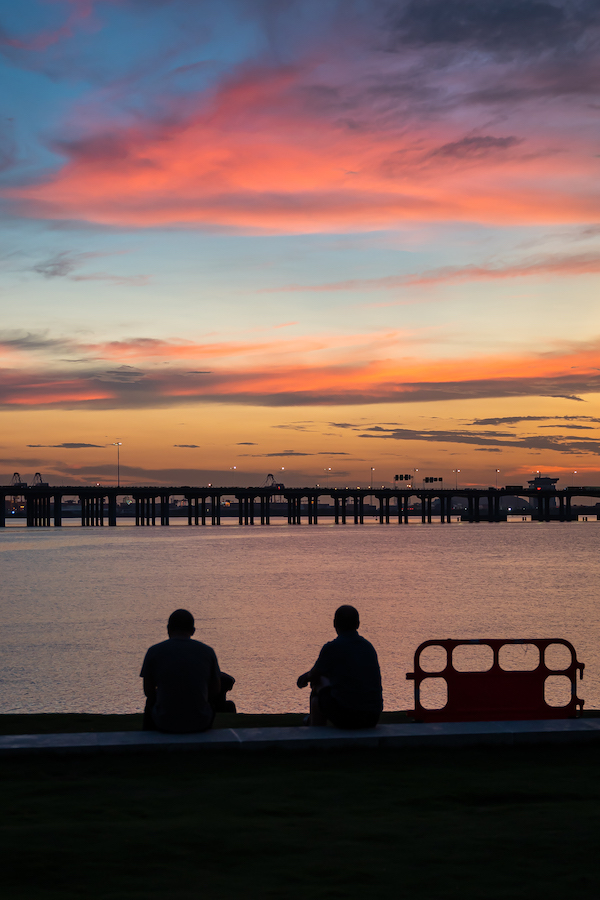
<point>44,505</point>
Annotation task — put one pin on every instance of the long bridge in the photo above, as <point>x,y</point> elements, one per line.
<point>43,506</point>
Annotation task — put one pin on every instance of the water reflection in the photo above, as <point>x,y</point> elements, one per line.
<point>79,607</point>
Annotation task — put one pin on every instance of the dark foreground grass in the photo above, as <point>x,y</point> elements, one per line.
<point>477,823</point>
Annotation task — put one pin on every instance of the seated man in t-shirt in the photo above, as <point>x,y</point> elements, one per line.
<point>345,680</point>
<point>182,680</point>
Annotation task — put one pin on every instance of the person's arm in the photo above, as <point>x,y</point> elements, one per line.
<point>312,674</point>
<point>150,690</point>
<point>305,679</point>
<point>214,684</point>
<point>214,688</point>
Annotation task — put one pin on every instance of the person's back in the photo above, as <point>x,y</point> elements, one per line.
<point>346,679</point>
<point>353,669</point>
<point>181,680</point>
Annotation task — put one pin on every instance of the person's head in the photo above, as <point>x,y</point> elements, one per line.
<point>346,619</point>
<point>181,624</point>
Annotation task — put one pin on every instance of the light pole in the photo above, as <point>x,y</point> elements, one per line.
<point>497,473</point>
<point>372,470</point>
<point>118,444</point>
<point>327,473</point>
<point>573,479</point>
<point>456,473</point>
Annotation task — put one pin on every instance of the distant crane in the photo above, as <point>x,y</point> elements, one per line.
<point>37,481</point>
<point>18,487</point>
<point>271,483</point>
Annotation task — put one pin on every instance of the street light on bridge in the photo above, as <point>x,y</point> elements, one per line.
<point>118,445</point>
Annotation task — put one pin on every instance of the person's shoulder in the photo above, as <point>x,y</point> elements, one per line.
<point>329,644</point>
<point>327,649</point>
<point>156,648</point>
<point>356,638</point>
<point>365,641</point>
<point>154,654</point>
<point>201,647</point>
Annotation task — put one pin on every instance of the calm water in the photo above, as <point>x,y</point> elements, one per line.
<point>80,606</point>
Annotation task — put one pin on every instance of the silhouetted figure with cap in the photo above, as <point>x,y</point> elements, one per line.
<point>182,681</point>
<point>345,680</point>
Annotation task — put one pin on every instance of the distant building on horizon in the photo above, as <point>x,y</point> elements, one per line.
<point>543,483</point>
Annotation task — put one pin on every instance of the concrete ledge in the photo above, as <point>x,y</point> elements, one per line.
<point>442,734</point>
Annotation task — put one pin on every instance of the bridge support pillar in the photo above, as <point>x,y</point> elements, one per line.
<point>57,510</point>
<point>164,509</point>
<point>38,511</point>
<point>112,510</point>
<point>265,511</point>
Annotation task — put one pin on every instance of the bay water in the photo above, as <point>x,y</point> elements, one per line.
<point>80,606</point>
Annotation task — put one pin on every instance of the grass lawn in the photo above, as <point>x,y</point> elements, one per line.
<point>475,823</point>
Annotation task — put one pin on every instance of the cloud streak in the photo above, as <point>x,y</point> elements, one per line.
<point>65,264</point>
<point>562,265</point>
<point>69,446</point>
<point>482,440</point>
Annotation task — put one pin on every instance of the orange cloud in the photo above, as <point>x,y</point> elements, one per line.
<point>348,375</point>
<point>259,157</point>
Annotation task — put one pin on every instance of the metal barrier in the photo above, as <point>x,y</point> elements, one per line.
<point>496,693</point>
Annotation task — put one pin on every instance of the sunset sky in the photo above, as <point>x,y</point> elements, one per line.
<point>324,236</point>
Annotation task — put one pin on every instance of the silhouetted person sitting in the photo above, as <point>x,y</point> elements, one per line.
<point>345,680</point>
<point>182,680</point>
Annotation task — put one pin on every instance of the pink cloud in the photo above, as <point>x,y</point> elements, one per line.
<point>260,156</point>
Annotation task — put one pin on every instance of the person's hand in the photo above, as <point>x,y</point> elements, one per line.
<point>303,680</point>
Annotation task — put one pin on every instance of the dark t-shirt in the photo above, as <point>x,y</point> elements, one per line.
<point>185,673</point>
<point>350,663</point>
